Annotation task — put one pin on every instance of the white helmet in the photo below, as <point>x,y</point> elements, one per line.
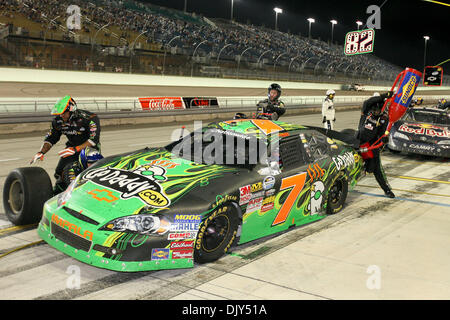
<point>376,94</point>
<point>330,92</point>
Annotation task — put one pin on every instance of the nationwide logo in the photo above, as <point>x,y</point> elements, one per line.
<point>132,184</point>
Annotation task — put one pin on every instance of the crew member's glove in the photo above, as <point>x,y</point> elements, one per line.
<point>334,119</point>
<point>389,94</point>
<point>67,152</point>
<point>38,156</point>
<point>324,120</point>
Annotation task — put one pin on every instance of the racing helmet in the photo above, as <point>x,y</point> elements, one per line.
<point>419,100</point>
<point>274,86</point>
<point>66,103</point>
<point>88,156</point>
<point>376,94</point>
<point>330,94</point>
<point>443,101</point>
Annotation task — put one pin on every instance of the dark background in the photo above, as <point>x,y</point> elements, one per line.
<point>399,41</point>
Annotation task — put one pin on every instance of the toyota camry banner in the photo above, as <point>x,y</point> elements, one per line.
<point>162,103</point>
<point>200,102</point>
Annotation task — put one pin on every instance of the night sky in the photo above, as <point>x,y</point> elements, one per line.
<point>399,41</point>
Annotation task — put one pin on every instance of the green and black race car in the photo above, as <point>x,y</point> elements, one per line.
<point>225,184</point>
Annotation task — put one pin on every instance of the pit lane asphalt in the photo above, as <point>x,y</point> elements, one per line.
<point>375,248</point>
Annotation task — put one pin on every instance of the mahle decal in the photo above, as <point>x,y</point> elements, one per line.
<point>141,183</point>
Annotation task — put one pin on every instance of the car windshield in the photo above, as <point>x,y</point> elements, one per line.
<point>431,117</point>
<point>215,146</point>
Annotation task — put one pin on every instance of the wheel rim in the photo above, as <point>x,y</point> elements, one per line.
<point>336,192</point>
<point>16,197</point>
<point>216,233</point>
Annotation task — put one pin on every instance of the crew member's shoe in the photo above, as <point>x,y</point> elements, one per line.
<point>389,194</point>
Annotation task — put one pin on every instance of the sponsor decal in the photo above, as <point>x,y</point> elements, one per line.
<point>160,254</point>
<point>245,194</point>
<point>141,183</point>
<point>200,102</point>
<point>256,187</point>
<point>424,129</point>
<point>345,160</point>
<point>220,199</point>
<point>254,205</point>
<point>182,254</point>
<point>181,245</point>
<point>408,89</point>
<point>72,227</point>
<point>181,235</point>
<point>268,182</point>
<point>316,197</point>
<point>186,222</point>
<point>103,195</point>
<point>269,192</point>
<point>161,103</point>
<point>315,171</point>
<point>268,204</point>
<point>422,147</point>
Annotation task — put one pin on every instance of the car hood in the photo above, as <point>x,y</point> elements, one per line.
<point>428,130</point>
<point>153,180</point>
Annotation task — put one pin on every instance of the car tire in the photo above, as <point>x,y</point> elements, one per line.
<point>337,195</point>
<point>217,234</point>
<point>24,193</point>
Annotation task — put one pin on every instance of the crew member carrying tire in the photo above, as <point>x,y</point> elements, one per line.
<point>372,126</point>
<point>82,129</point>
<point>328,111</point>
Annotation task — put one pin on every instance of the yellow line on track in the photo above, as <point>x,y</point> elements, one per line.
<point>404,190</point>
<point>16,228</point>
<point>21,247</point>
<point>418,179</point>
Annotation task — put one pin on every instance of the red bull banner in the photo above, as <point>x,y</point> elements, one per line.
<point>162,103</point>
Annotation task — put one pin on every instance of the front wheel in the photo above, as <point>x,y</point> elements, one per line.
<point>24,193</point>
<point>337,195</point>
<point>217,234</point>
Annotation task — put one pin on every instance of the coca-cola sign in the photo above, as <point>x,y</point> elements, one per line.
<point>162,103</point>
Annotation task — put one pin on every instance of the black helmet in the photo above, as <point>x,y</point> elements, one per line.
<point>274,86</point>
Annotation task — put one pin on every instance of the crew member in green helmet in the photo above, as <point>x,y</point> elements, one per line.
<point>82,129</point>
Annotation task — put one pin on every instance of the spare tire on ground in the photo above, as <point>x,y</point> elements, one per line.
<point>24,193</point>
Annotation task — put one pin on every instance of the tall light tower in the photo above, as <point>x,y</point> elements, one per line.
<point>277,11</point>
<point>333,22</point>
<point>232,4</point>
<point>311,20</point>
<point>425,52</point>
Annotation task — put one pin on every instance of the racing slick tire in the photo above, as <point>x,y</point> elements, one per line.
<point>217,234</point>
<point>24,193</point>
<point>337,195</point>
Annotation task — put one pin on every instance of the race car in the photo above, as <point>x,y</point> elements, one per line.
<point>423,131</point>
<point>193,200</point>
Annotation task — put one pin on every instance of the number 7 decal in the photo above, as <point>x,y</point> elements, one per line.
<point>297,182</point>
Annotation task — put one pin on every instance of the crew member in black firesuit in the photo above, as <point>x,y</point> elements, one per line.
<point>272,104</point>
<point>82,129</point>
<point>372,126</point>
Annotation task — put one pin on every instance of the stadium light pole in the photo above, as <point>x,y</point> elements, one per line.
<point>277,11</point>
<point>132,47</point>
<point>232,4</point>
<point>195,50</point>
<point>165,52</point>
<point>185,6</point>
<point>359,23</point>
<point>311,20</point>
<point>425,51</point>
<point>333,22</point>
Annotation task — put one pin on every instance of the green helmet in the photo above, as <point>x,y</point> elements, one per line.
<point>66,103</point>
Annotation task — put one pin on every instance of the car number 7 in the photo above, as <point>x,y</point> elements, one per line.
<point>297,182</point>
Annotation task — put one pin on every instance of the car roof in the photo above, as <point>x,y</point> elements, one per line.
<point>256,127</point>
